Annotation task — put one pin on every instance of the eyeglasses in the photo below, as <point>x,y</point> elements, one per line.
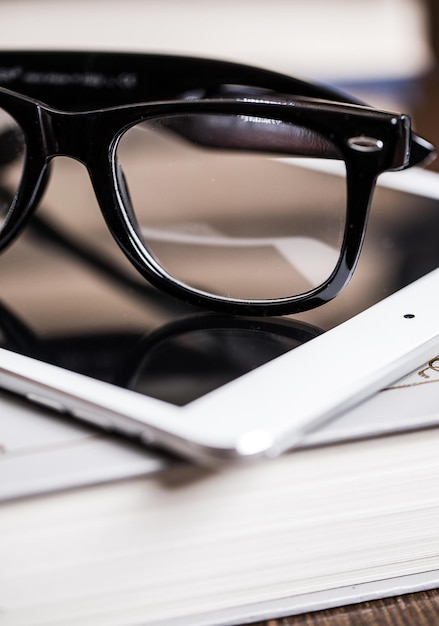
<point>214,178</point>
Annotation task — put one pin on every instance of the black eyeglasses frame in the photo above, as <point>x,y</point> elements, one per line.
<point>91,136</point>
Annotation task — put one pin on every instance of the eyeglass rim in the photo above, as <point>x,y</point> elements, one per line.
<point>361,182</point>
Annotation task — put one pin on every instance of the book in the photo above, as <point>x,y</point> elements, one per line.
<point>348,517</point>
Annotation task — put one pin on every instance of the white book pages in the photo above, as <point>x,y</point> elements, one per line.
<point>191,546</point>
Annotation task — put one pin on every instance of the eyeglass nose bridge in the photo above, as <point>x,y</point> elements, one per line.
<point>68,134</point>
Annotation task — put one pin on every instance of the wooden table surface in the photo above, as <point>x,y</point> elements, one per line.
<point>415,609</point>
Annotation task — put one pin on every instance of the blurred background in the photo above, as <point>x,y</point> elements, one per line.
<point>426,114</point>
<point>382,50</point>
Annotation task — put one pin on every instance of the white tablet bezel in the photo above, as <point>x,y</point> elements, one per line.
<point>267,410</point>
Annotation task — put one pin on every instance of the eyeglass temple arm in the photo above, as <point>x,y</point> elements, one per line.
<point>422,151</point>
<point>252,134</point>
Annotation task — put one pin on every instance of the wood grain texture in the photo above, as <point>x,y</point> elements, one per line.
<point>416,609</point>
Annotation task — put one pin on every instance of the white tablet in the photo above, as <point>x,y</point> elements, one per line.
<point>83,335</point>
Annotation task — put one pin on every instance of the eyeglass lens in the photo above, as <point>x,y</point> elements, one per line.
<point>228,204</point>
